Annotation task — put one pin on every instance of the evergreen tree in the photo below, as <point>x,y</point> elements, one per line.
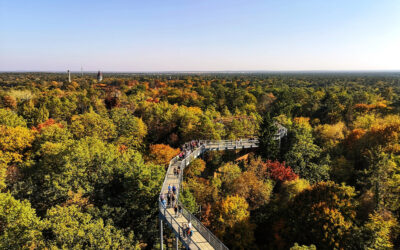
<point>269,147</point>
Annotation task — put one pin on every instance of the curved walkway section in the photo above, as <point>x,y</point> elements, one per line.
<point>201,238</point>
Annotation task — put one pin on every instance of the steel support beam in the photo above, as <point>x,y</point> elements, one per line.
<point>161,235</point>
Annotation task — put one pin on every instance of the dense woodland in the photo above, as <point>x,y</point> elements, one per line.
<point>82,162</point>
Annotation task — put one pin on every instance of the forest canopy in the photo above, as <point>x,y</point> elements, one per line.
<point>82,162</point>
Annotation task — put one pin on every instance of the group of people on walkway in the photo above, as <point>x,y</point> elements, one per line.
<point>170,200</point>
<point>188,148</point>
<point>171,189</point>
<point>187,230</point>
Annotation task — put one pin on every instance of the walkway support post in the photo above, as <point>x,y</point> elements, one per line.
<point>161,235</point>
<point>177,242</point>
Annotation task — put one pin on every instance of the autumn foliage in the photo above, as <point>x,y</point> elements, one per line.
<point>48,123</point>
<point>91,175</point>
<point>279,172</point>
<point>162,154</point>
<point>367,107</point>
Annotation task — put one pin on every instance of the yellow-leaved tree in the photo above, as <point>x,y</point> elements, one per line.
<point>161,154</point>
<point>236,230</point>
<point>13,141</point>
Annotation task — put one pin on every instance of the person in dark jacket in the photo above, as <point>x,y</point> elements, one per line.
<point>179,210</point>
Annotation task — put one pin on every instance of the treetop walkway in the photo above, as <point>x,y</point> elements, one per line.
<point>202,238</point>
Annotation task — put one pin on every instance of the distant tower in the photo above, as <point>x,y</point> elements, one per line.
<point>69,75</point>
<point>99,76</point>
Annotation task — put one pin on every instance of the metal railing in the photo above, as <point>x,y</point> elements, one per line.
<point>203,146</point>
<point>243,143</point>
<point>204,231</point>
<point>185,162</point>
<point>168,217</point>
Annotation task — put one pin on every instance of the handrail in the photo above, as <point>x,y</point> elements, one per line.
<point>204,145</point>
<point>180,228</point>
<point>203,230</point>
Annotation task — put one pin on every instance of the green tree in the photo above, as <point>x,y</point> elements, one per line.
<point>188,200</point>
<point>269,147</point>
<point>382,176</point>
<point>63,167</point>
<point>120,185</point>
<point>11,119</point>
<point>42,115</point>
<point>378,232</point>
<point>70,228</point>
<point>128,194</point>
<point>20,228</point>
<point>131,130</point>
<point>53,133</point>
<point>4,160</point>
<point>225,177</point>
<point>92,124</point>
<point>303,155</point>
<point>27,110</point>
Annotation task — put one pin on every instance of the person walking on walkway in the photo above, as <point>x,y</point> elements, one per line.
<point>169,199</point>
<point>179,210</point>
<point>184,227</point>
<point>174,189</point>
<point>173,199</point>
<point>162,198</point>
<point>176,210</point>
<point>163,203</point>
<point>169,188</point>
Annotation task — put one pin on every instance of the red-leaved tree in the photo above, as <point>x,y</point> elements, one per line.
<point>45,124</point>
<point>279,172</point>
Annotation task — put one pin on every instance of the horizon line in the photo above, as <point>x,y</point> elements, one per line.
<point>205,71</point>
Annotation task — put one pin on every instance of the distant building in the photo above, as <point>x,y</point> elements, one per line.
<point>99,76</point>
<point>69,75</point>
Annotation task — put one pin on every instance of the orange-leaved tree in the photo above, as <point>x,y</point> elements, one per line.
<point>161,154</point>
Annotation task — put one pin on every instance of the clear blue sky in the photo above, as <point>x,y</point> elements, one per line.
<point>147,35</point>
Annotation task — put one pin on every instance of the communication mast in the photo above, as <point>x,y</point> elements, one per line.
<point>99,76</point>
<point>69,75</point>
